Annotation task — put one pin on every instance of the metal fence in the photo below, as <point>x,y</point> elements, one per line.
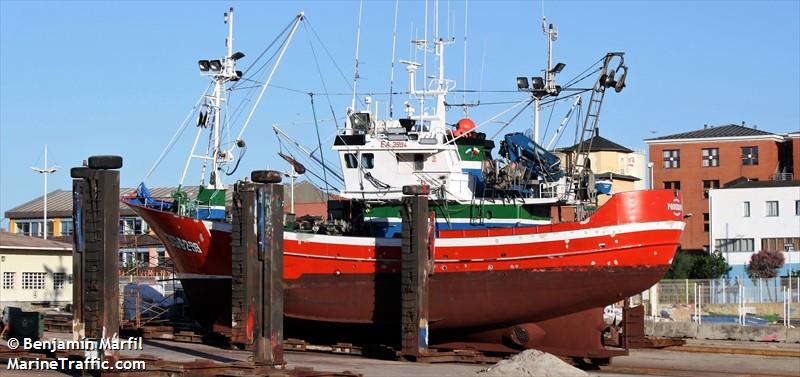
<point>729,291</point>
<point>731,300</point>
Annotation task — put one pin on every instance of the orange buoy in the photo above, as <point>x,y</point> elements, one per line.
<point>464,126</point>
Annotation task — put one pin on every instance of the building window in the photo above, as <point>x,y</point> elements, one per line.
<point>749,155</point>
<point>34,228</point>
<point>675,185</point>
<point>672,158</point>
<point>367,160</point>
<point>726,245</point>
<point>797,207</point>
<point>710,157</point>
<point>780,244</point>
<point>67,227</point>
<point>772,208</point>
<point>350,160</point>
<point>746,209</point>
<point>8,280</point>
<point>33,280</point>
<point>24,227</point>
<point>706,225</point>
<point>709,185</point>
<point>58,280</point>
<point>130,225</point>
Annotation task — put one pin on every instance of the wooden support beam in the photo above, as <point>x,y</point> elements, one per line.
<point>257,275</point>
<point>414,272</point>
<point>96,249</point>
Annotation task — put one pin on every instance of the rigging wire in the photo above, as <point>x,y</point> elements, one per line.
<point>319,141</point>
<point>547,126</point>
<point>177,134</point>
<point>330,56</point>
<point>322,79</point>
<point>266,49</point>
<point>512,118</point>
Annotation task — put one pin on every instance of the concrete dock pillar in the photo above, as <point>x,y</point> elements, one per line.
<point>415,270</point>
<point>257,266</point>
<point>95,254</point>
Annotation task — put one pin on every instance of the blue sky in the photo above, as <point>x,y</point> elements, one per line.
<point>117,78</point>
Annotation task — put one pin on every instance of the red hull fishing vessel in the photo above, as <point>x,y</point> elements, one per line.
<point>498,261</point>
<point>482,277</point>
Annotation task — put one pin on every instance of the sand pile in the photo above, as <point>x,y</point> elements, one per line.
<point>532,363</point>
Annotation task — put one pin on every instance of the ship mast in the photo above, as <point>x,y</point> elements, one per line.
<point>550,77</point>
<point>443,86</point>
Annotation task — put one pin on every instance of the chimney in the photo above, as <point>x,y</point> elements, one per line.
<point>596,131</point>
<point>743,124</point>
<point>705,126</point>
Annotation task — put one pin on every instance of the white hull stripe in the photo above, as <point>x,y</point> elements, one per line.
<point>493,241</point>
<point>474,260</point>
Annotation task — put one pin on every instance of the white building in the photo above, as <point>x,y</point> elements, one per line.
<point>756,215</point>
<point>34,273</point>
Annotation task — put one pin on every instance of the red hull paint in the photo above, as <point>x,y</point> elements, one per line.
<point>481,277</point>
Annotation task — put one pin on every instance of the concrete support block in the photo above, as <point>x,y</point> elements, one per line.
<point>718,331</point>
<point>792,335</point>
<point>672,329</point>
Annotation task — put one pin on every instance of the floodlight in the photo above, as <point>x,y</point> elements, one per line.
<point>522,83</point>
<point>204,65</point>
<point>216,65</point>
<point>558,68</point>
<point>538,83</point>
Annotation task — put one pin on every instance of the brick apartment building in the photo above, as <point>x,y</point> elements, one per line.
<point>697,161</point>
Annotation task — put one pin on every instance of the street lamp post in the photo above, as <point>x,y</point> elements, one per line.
<point>45,170</point>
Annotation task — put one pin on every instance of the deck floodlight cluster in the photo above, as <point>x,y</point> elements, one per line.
<point>204,65</point>
<point>522,83</point>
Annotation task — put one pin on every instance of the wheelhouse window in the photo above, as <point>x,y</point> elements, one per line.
<point>749,156</point>
<point>710,157</point>
<point>367,160</point>
<point>350,160</point>
<point>672,158</point>
<point>419,162</point>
